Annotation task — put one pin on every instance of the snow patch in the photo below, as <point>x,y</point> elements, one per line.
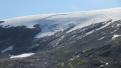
<point>115,36</point>
<point>114,31</point>
<point>41,35</point>
<point>22,55</point>
<point>57,42</point>
<point>107,23</point>
<point>7,49</point>
<point>101,38</point>
<point>101,66</point>
<point>118,25</point>
<point>107,63</point>
<point>88,33</point>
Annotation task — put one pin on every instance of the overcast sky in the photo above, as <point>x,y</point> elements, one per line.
<point>14,8</point>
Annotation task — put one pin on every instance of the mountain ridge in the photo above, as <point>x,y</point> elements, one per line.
<point>52,23</point>
<point>86,40</point>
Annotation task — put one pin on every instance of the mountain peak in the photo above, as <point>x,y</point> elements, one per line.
<point>60,21</point>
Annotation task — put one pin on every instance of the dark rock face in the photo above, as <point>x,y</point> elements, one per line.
<point>89,47</point>
<point>1,21</point>
<point>20,38</point>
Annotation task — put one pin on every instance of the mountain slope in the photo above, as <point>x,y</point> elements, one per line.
<point>73,40</point>
<point>61,21</point>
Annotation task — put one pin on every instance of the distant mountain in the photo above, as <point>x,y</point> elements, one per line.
<point>88,39</point>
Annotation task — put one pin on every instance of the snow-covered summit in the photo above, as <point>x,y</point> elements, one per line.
<point>60,21</point>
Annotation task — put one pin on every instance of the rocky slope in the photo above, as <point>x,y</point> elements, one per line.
<point>73,40</point>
